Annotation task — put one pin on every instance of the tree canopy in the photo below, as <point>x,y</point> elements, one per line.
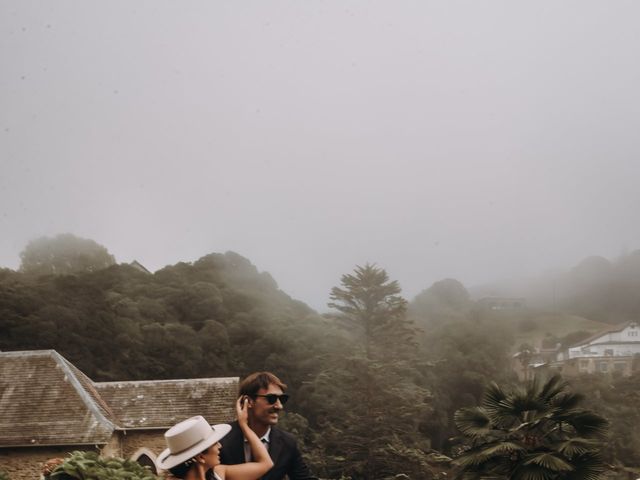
<point>371,394</point>
<point>64,254</point>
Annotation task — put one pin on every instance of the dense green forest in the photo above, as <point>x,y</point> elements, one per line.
<point>375,383</point>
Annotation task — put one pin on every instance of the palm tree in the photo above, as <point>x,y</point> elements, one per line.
<point>531,432</point>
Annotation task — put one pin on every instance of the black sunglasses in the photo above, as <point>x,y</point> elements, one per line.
<point>272,398</point>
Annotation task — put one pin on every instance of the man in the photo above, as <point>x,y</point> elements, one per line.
<point>266,397</point>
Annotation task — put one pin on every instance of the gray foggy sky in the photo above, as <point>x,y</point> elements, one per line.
<point>469,139</point>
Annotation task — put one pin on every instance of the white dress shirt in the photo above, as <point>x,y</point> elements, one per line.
<point>247,448</point>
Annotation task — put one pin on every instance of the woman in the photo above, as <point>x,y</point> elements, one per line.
<point>194,448</point>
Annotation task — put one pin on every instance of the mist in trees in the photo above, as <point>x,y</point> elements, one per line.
<point>445,301</point>
<point>597,288</point>
<point>64,254</point>
<point>465,348</point>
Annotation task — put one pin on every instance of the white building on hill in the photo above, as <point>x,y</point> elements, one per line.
<point>621,341</point>
<point>613,350</point>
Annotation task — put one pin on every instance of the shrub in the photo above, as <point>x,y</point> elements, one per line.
<point>89,466</point>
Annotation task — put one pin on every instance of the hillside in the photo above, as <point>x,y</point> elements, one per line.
<point>537,328</point>
<point>596,288</point>
<point>216,316</point>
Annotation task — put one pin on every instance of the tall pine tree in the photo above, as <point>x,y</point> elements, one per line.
<point>369,399</point>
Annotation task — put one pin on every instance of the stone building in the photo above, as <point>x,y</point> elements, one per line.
<point>49,408</point>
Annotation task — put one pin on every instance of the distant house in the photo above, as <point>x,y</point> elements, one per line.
<point>138,266</point>
<point>49,408</point>
<point>613,350</point>
<point>502,303</point>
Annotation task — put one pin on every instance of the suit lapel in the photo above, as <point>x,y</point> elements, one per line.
<point>236,444</point>
<point>275,445</point>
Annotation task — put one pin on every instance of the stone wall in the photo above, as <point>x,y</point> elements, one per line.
<point>133,440</point>
<point>25,463</point>
<point>113,448</point>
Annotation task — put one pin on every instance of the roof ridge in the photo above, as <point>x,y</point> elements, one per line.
<point>23,353</point>
<point>171,380</point>
<point>613,328</point>
<point>609,342</point>
<point>84,395</point>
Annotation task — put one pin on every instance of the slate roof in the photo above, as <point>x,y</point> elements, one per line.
<point>159,404</point>
<point>45,400</point>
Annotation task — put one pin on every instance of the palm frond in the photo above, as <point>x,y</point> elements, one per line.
<point>548,461</point>
<point>566,401</point>
<point>488,452</point>
<point>552,387</point>
<point>494,469</point>
<point>494,395</point>
<point>533,388</point>
<point>521,406</point>
<point>588,424</point>
<point>576,446</point>
<point>589,466</point>
<point>532,472</point>
<point>496,402</point>
<point>473,422</point>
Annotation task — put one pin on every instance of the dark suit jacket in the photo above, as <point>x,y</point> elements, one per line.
<point>283,449</point>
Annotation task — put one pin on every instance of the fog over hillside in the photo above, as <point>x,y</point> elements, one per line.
<point>467,140</point>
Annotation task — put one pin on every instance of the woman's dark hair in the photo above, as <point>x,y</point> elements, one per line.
<point>181,470</point>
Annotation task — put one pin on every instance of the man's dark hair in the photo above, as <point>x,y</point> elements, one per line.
<point>254,382</point>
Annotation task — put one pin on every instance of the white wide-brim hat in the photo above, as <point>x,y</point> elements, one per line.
<point>188,438</point>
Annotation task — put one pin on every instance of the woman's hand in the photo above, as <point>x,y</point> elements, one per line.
<point>242,410</point>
